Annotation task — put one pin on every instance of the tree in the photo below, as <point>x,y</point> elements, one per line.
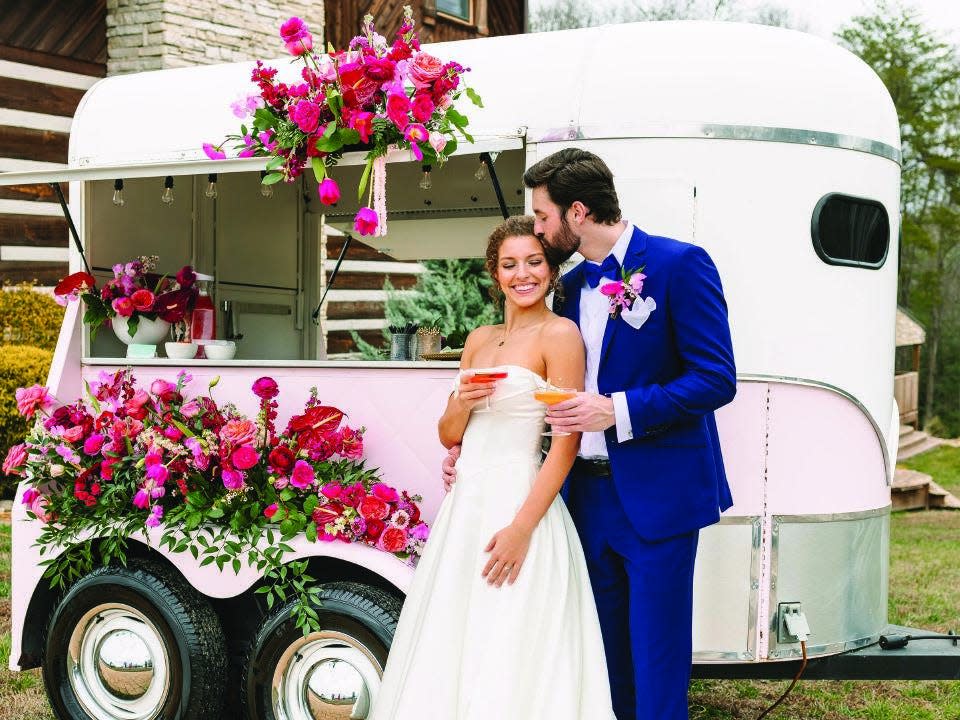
<point>922,73</point>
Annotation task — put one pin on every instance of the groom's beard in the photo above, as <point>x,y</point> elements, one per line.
<point>562,245</point>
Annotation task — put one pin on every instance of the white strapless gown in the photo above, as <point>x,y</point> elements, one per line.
<point>464,650</point>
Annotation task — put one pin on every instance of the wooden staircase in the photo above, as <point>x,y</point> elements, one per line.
<point>914,490</point>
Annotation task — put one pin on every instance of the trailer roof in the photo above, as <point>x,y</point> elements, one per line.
<point>661,79</point>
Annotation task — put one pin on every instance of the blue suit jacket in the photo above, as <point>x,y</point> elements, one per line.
<point>676,369</point>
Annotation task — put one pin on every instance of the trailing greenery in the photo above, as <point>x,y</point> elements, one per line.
<point>29,317</point>
<point>20,366</point>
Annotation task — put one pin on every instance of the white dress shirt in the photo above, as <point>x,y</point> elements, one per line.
<point>594,313</point>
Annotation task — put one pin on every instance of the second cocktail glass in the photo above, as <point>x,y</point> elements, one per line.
<point>551,395</point>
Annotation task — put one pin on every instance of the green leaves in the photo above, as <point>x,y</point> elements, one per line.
<point>474,97</point>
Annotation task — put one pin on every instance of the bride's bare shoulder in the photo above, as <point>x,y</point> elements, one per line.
<point>561,329</point>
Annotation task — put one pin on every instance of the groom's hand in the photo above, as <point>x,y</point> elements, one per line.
<point>449,469</point>
<point>587,412</point>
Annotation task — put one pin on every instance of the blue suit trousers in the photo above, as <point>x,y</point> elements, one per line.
<point>644,595</point>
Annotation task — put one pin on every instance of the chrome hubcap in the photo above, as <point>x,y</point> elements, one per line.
<point>117,664</point>
<point>325,676</point>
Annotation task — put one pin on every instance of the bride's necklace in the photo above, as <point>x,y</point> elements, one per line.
<point>506,334</point>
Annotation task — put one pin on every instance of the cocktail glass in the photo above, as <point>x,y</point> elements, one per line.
<point>551,395</point>
<point>486,377</point>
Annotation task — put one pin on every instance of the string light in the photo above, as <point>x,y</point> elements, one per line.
<point>481,174</point>
<point>265,190</point>
<point>426,182</point>
<point>118,193</point>
<point>211,191</point>
<point>167,196</point>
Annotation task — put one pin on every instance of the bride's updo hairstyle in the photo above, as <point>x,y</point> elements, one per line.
<point>514,226</point>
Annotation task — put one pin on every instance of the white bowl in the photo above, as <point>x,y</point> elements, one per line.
<point>180,350</point>
<point>220,350</point>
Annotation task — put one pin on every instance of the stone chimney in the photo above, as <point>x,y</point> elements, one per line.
<point>157,34</point>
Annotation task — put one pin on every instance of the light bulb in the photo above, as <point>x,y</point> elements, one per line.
<point>265,190</point>
<point>481,174</point>
<point>167,196</point>
<point>118,193</point>
<point>211,191</point>
<point>426,182</point>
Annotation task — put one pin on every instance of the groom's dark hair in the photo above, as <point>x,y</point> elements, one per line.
<point>574,174</point>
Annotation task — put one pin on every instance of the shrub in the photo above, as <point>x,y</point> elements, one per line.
<point>936,427</point>
<point>20,366</point>
<point>28,317</point>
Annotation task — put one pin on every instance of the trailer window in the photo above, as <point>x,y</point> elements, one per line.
<point>457,8</point>
<point>851,231</point>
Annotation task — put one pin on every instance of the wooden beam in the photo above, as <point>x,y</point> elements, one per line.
<point>37,97</point>
<point>369,281</point>
<point>349,310</point>
<point>40,193</point>
<point>33,230</point>
<point>47,274</point>
<point>54,62</point>
<point>27,144</point>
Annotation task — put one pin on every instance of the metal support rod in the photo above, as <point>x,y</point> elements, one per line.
<point>485,158</point>
<point>333,276</point>
<point>73,228</point>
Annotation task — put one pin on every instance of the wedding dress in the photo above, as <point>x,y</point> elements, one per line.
<point>465,650</point>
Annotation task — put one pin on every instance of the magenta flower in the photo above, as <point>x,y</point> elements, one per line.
<point>270,510</point>
<point>245,457</point>
<point>366,221</point>
<point>214,152</point>
<point>422,107</point>
<point>384,492</point>
<point>306,115</point>
<point>156,515</point>
<point>33,398</point>
<point>362,122</point>
<point>296,36</point>
<point>302,476</point>
<point>398,106</point>
<point>328,191</point>
<point>142,499</point>
<point>266,388</point>
<point>29,495</point>
<point>92,445</point>
<point>420,531</point>
<point>123,306</point>
<point>232,479</point>
<point>332,490</point>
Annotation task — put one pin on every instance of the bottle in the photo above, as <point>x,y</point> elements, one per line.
<point>203,319</point>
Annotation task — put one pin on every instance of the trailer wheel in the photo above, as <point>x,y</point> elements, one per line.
<point>332,673</point>
<point>134,643</point>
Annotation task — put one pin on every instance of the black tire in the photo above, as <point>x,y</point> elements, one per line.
<point>354,617</point>
<point>185,677</point>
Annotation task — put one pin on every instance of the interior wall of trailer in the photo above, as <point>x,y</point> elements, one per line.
<point>791,314</point>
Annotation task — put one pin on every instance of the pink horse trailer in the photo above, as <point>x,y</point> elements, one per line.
<point>776,151</point>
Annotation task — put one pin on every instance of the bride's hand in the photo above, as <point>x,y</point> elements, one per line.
<point>472,394</point>
<point>508,549</point>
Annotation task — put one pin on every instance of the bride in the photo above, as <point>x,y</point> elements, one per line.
<point>500,620</point>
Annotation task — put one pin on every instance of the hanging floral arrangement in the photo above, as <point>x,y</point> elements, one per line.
<point>374,94</point>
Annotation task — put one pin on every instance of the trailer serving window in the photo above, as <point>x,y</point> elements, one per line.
<point>850,231</point>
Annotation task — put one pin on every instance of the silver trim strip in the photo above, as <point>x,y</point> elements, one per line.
<point>833,517</point>
<point>713,131</point>
<point>789,653</point>
<point>887,464</point>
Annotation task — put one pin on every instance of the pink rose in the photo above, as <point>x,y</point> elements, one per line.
<point>424,69</point>
<point>373,508</point>
<point>380,69</point>
<point>123,306</point>
<point>38,506</point>
<point>162,387</point>
<point>172,432</point>
<point>438,141</point>
<point>366,221</point>
<point>244,457</point>
<point>398,106</point>
<point>16,457</point>
<point>93,444</point>
<point>72,434</point>
<point>306,115</point>
<point>384,492</point>
<point>302,476</point>
<point>33,398</point>
<point>296,36</point>
<point>266,388</point>
<point>190,409</point>
<point>332,490</point>
<point>232,479</point>
<point>238,432</point>
<point>328,191</point>
<point>392,540</point>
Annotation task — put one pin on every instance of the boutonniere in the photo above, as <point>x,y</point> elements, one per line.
<point>623,293</point>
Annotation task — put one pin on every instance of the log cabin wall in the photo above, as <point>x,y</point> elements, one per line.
<point>437,20</point>
<point>50,53</point>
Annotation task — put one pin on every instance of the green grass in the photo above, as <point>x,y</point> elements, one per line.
<point>924,577</point>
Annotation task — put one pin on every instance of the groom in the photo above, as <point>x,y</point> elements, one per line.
<point>650,473</point>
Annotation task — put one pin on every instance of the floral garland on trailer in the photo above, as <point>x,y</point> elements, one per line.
<point>383,96</point>
<point>218,484</point>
